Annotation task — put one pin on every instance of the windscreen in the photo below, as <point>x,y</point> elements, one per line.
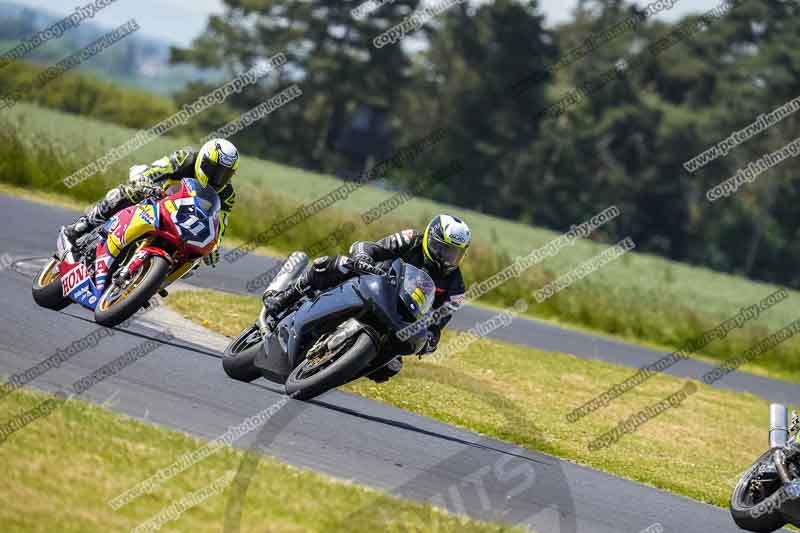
<point>206,198</point>
<point>420,289</point>
<point>196,216</point>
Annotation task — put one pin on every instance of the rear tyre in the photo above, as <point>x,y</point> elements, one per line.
<point>238,361</point>
<point>116,305</point>
<point>304,383</point>
<point>761,515</point>
<point>47,290</point>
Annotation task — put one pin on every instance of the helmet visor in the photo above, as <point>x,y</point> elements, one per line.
<point>447,255</point>
<point>218,175</point>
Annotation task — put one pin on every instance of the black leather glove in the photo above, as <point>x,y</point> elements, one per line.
<point>364,267</point>
<point>431,344</point>
<point>362,258</point>
<point>212,259</point>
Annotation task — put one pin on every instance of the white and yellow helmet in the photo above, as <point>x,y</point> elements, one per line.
<point>217,163</point>
<point>446,241</point>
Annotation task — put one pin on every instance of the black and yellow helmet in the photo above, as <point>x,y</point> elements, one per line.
<point>445,242</point>
<point>216,163</point>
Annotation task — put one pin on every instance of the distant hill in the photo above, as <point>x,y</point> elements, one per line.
<point>137,61</point>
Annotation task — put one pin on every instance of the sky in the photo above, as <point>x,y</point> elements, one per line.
<point>179,21</point>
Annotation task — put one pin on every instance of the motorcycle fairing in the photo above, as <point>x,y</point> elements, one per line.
<point>284,347</point>
<point>121,229</point>
<point>186,220</point>
<point>77,284</point>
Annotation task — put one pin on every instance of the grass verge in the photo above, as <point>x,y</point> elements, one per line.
<point>522,395</point>
<point>60,472</point>
<point>637,297</point>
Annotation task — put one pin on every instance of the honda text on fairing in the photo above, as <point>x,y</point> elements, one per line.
<point>335,336</point>
<point>116,268</point>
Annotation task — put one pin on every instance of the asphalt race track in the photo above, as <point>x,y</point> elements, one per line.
<point>181,385</point>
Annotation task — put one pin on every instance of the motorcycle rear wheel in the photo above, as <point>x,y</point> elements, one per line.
<point>146,282</point>
<point>747,513</point>
<point>238,359</point>
<point>302,384</point>
<point>47,290</point>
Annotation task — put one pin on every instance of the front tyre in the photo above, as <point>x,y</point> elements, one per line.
<point>47,290</point>
<point>758,509</point>
<point>238,359</point>
<point>309,379</point>
<point>119,303</point>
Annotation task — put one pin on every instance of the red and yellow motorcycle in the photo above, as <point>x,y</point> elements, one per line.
<point>118,267</point>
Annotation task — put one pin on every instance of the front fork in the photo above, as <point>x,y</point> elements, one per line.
<point>135,261</point>
<point>783,438</point>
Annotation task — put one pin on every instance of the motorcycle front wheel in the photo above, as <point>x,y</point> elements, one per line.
<point>758,509</point>
<point>238,359</point>
<point>312,378</point>
<point>119,303</point>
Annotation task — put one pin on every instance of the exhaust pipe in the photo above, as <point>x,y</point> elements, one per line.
<point>778,425</point>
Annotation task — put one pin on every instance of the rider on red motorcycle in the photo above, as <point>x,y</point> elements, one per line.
<point>438,251</point>
<point>215,164</point>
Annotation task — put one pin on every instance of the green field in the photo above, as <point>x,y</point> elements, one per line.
<point>60,473</point>
<point>522,395</point>
<point>639,297</point>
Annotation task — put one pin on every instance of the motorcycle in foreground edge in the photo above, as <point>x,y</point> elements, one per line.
<point>116,268</point>
<point>335,336</point>
<point>767,496</point>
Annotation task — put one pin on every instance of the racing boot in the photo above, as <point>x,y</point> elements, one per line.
<point>114,200</point>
